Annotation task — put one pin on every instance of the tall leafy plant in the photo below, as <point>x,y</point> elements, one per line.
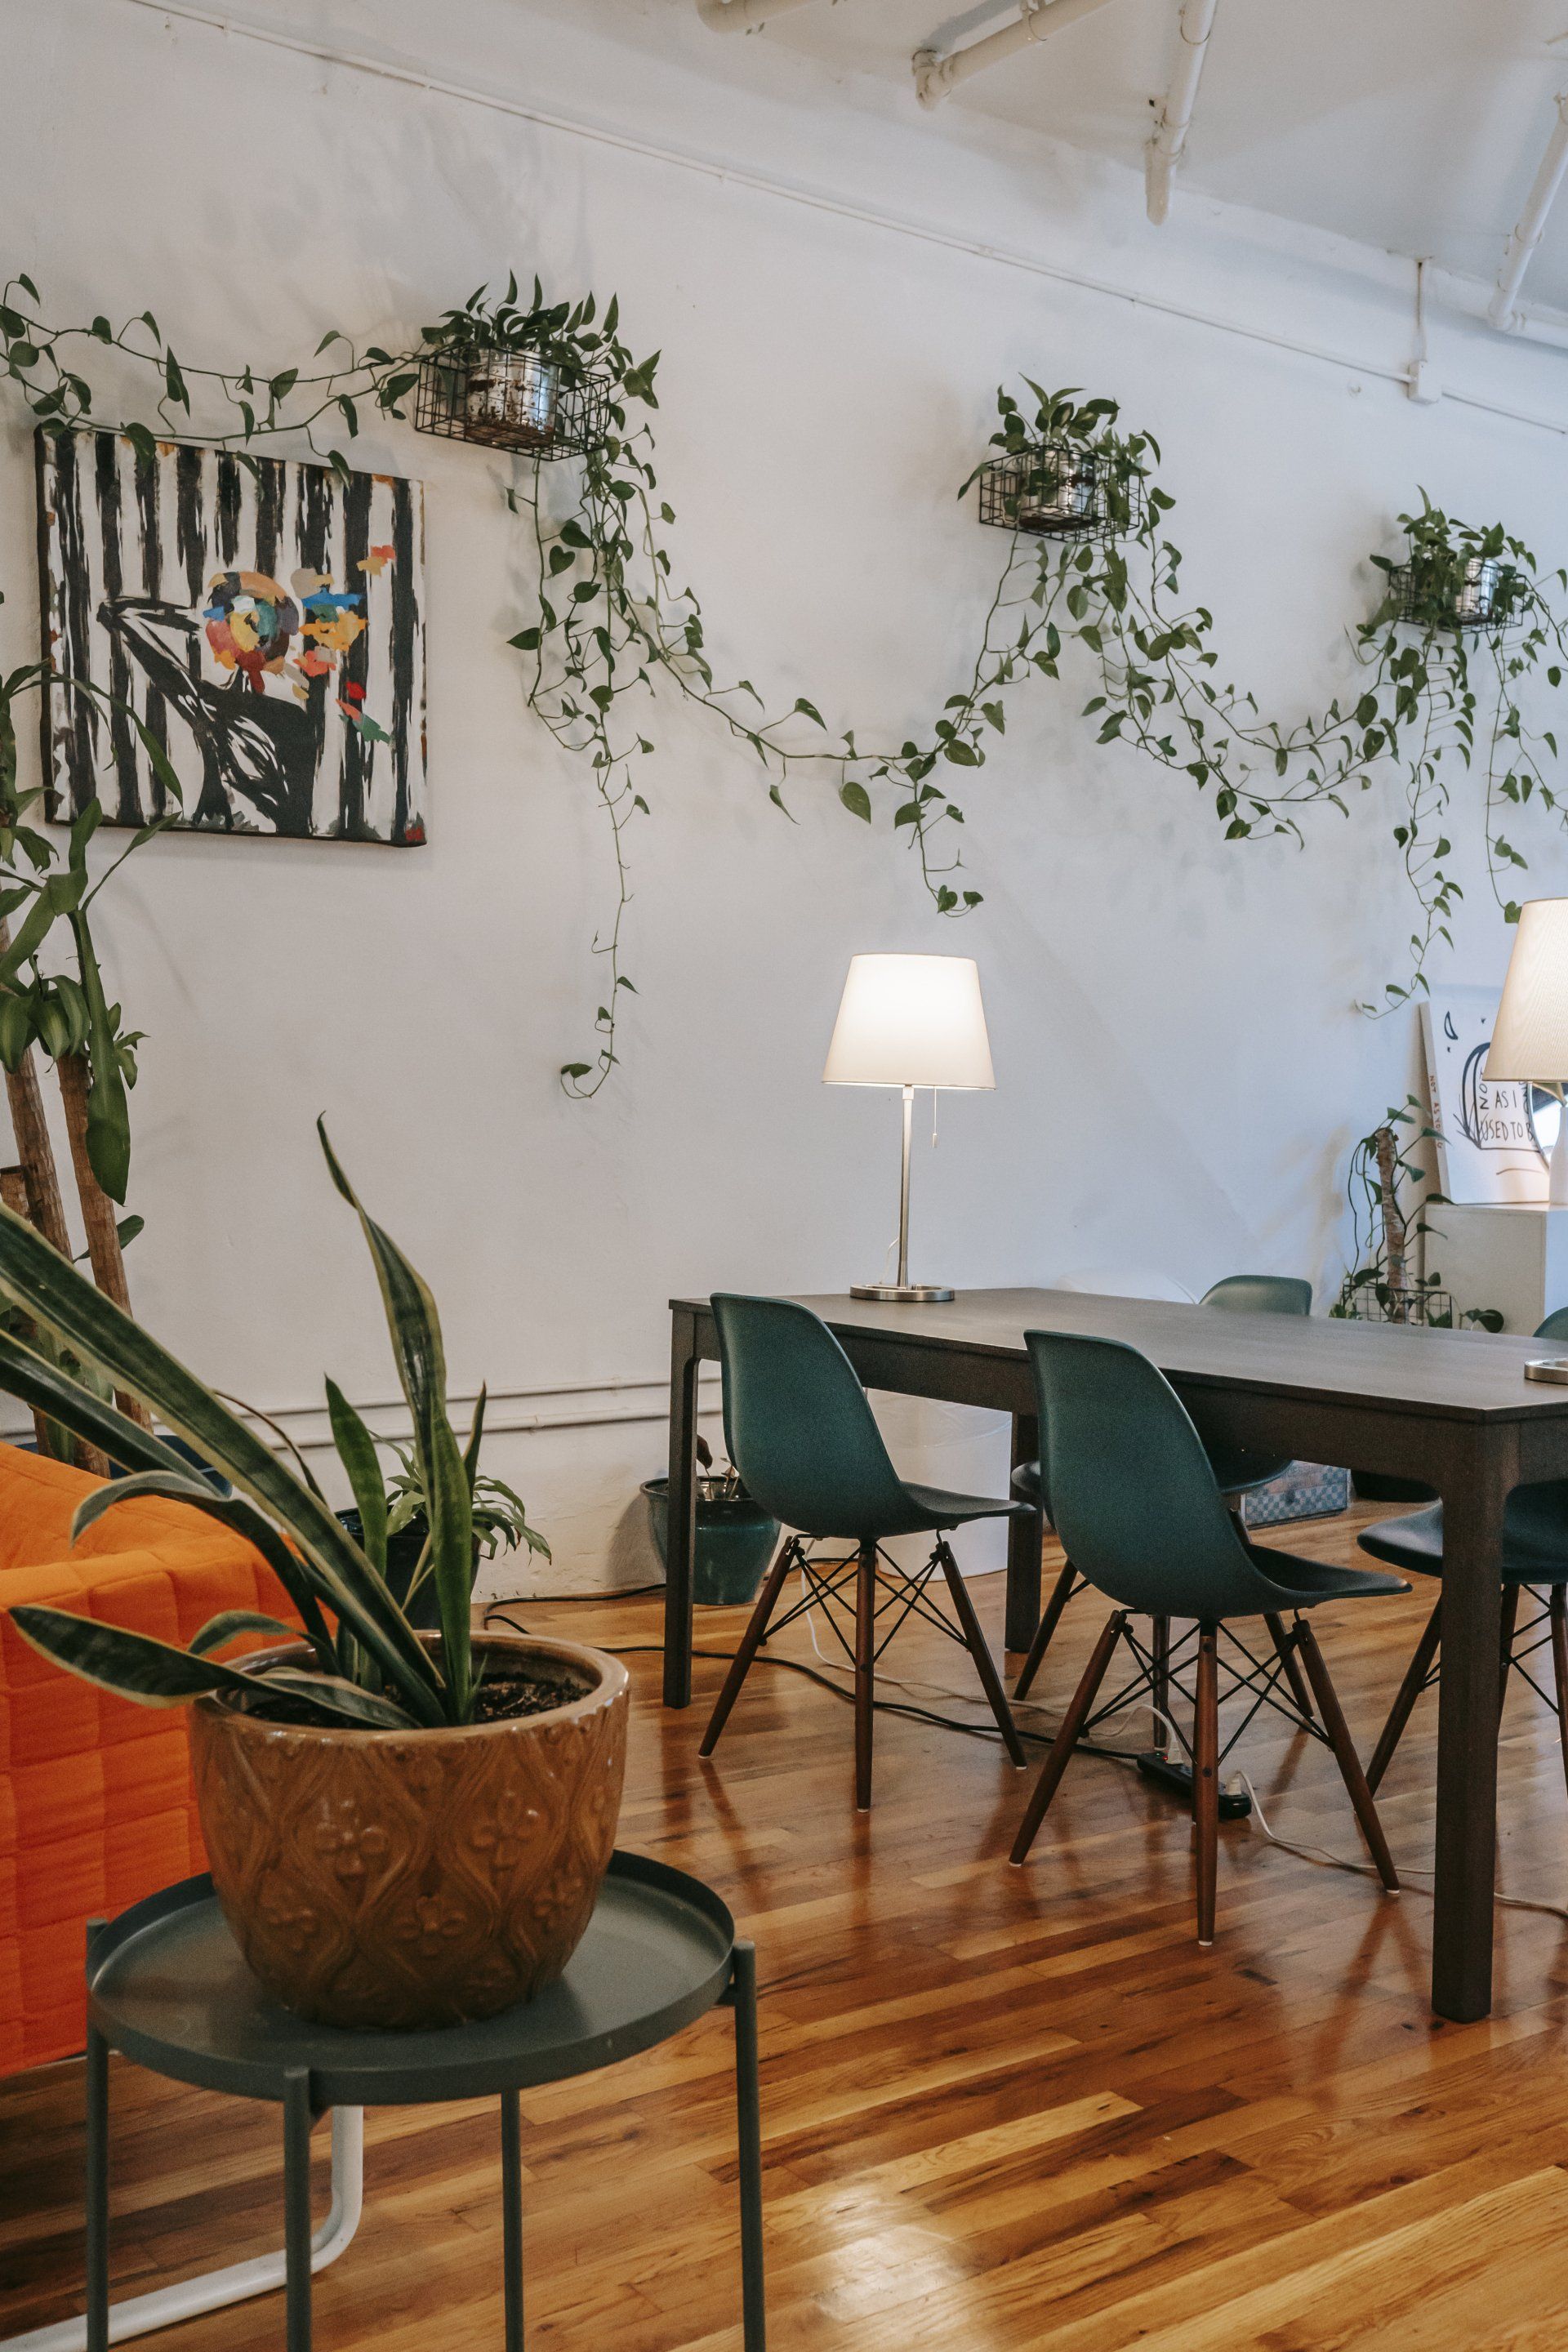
<point>366,1664</point>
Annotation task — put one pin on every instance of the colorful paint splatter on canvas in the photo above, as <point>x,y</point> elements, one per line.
<point>264,619</point>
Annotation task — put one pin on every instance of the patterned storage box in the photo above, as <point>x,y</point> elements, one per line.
<point>1307,1490</point>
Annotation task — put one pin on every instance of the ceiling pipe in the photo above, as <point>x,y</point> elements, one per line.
<point>744,15</point>
<point>1164,148</point>
<point>936,76</point>
<point>1527,233</point>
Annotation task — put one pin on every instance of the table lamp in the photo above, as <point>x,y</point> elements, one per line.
<point>909,1021</point>
<point>1530,1041</point>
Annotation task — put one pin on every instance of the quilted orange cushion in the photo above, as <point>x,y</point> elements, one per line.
<point>96,1804</point>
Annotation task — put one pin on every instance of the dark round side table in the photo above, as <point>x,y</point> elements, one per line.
<point>167,1987</point>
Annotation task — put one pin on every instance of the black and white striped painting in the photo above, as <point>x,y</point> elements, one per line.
<point>264,621</point>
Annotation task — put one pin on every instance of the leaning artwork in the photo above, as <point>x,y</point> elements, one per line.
<point>264,619</point>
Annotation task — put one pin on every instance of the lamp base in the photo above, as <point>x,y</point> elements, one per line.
<point>916,1294</point>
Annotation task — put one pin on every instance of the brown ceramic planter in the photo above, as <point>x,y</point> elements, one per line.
<point>413,1878</point>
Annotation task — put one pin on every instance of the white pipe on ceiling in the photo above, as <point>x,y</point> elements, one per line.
<point>1164,150</point>
<point>744,15</point>
<point>935,77</point>
<point>1531,221</point>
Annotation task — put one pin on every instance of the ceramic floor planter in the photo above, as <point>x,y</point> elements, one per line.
<point>405,1879</point>
<point>735,1541</point>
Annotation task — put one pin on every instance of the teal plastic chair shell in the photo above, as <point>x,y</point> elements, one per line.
<point>801,1432</point>
<point>1536,1522</point>
<point>1136,1501</point>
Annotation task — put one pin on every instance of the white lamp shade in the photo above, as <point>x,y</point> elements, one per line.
<point>1530,1038</point>
<point>910,1020</point>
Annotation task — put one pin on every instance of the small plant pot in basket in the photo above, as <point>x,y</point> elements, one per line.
<point>735,1541</point>
<point>424,1877</point>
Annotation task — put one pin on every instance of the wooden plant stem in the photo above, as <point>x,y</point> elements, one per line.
<point>104,1254</point>
<point>1393,1223</point>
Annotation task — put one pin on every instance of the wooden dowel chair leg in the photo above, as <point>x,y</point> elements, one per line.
<point>984,1665</point>
<point>1285,1649</point>
<point>1206,1778</point>
<point>1410,1690</point>
<point>1349,1762</point>
<point>865,1671</point>
<point>1062,1591</point>
<point>1557,1603</point>
<point>750,1642</point>
<point>1160,1680</point>
<point>1065,1740</point>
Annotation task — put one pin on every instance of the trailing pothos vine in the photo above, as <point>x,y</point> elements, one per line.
<point>611,622</point>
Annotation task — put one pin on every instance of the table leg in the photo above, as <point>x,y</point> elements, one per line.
<point>97,2189</point>
<point>680,1543</point>
<point>511,2215</point>
<point>749,2120</point>
<point>1466,1859</point>
<point>1024,1537</point>
<point>296,2121</point>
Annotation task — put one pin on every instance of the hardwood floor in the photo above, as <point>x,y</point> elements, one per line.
<point>1002,2109</point>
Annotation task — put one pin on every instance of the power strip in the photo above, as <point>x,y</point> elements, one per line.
<point>1235,1803</point>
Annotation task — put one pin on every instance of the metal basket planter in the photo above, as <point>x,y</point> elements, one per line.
<point>1381,1302</point>
<point>513,400</point>
<point>1062,490</point>
<point>1481,594</point>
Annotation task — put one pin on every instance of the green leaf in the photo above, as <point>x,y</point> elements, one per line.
<point>856,799</point>
<point>810,710</point>
<point>414,1328</point>
<point>230,1623</point>
<point>152,1673</point>
<point>356,1452</point>
<point>181,1484</point>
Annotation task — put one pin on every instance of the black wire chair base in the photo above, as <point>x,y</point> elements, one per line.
<point>1547,1630</point>
<point>1270,1682</point>
<point>830,1585</point>
<point>885,1597</point>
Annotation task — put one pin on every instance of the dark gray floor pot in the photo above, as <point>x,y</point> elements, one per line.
<point>735,1541</point>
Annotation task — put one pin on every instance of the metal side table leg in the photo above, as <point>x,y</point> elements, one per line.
<point>742,1999</point>
<point>95,2327</point>
<point>212,2290</point>
<point>511,2216</point>
<point>296,2121</point>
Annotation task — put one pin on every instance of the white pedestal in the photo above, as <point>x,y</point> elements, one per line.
<point>1512,1257</point>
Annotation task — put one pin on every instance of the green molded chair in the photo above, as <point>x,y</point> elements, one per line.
<point>1534,1561</point>
<point>800,1433</point>
<point>1238,1470</point>
<point>1136,1502</point>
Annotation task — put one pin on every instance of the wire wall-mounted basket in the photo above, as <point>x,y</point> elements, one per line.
<point>1483,594</point>
<point>1062,490</point>
<point>1382,1302</point>
<point>513,400</point>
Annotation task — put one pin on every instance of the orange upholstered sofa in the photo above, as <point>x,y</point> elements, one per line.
<point>96,1806</point>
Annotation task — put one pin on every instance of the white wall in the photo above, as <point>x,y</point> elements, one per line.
<point>1179,1067</point>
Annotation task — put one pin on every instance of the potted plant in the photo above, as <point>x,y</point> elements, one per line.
<point>500,1522</point>
<point>1454,576</point>
<point>735,1537</point>
<point>505,374</point>
<point>404,1829</point>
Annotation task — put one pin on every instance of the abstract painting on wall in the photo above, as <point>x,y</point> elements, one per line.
<point>263,618</point>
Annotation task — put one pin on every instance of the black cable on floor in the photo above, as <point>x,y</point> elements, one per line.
<point>496,1610</point>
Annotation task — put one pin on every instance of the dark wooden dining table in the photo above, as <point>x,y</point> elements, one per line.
<point>1452,1409</point>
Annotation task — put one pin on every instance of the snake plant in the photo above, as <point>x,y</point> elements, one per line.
<point>367,1665</point>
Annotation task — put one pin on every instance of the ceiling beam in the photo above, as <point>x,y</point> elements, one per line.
<point>744,15</point>
<point>1164,150</point>
<point>1503,310</point>
<point>936,76</point>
